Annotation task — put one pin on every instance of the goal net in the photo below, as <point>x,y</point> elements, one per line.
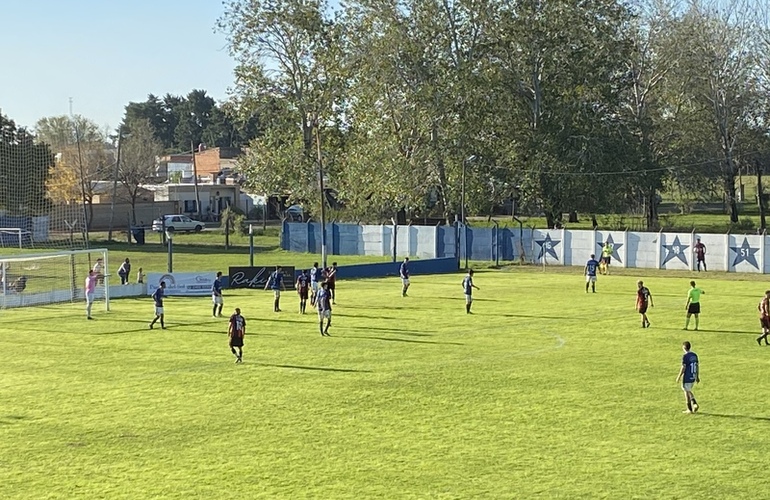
<point>46,186</point>
<point>34,280</point>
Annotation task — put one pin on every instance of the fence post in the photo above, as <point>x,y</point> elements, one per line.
<point>691,260</point>
<point>762,252</point>
<point>625,245</point>
<point>395,239</point>
<point>727,252</point>
<point>563,244</point>
<point>436,241</point>
<point>658,247</point>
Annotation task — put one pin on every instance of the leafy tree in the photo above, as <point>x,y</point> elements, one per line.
<point>286,52</point>
<point>138,160</point>
<point>24,169</point>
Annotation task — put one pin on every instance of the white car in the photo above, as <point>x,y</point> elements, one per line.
<point>177,223</point>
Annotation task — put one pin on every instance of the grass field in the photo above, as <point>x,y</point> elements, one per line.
<point>544,392</point>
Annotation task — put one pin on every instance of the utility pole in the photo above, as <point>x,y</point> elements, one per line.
<point>760,195</point>
<point>195,182</point>
<point>323,194</point>
<point>115,187</point>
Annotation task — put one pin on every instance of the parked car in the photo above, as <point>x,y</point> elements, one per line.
<point>177,223</point>
<point>295,213</point>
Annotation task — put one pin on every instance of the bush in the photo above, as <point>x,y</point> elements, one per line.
<point>237,224</point>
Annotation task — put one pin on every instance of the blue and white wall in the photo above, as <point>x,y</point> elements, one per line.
<point>724,252</point>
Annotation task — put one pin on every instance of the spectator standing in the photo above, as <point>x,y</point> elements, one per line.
<point>124,271</point>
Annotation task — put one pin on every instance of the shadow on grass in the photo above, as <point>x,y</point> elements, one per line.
<point>12,419</point>
<point>534,316</point>
<point>317,368</point>
<point>727,415</point>
<point>701,330</point>
<point>411,333</point>
<point>410,341</point>
<point>462,297</point>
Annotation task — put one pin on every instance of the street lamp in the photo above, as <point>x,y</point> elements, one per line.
<point>169,238</point>
<point>462,205</point>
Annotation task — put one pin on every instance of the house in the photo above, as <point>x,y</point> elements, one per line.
<point>213,198</point>
<point>176,167</point>
<point>213,162</point>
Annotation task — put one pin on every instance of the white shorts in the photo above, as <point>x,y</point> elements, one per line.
<point>687,386</point>
<point>314,286</point>
<point>277,294</point>
<point>90,298</point>
<point>158,311</point>
<point>468,298</point>
<point>326,313</point>
<point>405,281</point>
<point>217,299</point>
<point>590,279</point>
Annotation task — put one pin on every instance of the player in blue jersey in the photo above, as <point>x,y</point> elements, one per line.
<point>324,306</point>
<point>590,272</point>
<point>216,295</point>
<point>468,287</point>
<point>157,297</point>
<point>314,275</point>
<point>689,374</point>
<point>275,283</point>
<point>403,272</point>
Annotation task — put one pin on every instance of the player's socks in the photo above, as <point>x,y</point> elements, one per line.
<point>696,322</point>
<point>467,308</point>
<point>689,405</point>
<point>275,306</point>
<point>687,324</point>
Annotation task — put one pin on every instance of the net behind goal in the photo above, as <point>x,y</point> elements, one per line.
<point>34,280</point>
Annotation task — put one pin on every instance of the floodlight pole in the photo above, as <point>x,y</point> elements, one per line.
<point>462,206</point>
<point>115,187</point>
<point>323,195</point>
<point>170,238</point>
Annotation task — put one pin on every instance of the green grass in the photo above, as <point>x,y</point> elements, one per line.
<point>544,392</point>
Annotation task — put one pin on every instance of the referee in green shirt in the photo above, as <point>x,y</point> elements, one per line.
<point>693,304</point>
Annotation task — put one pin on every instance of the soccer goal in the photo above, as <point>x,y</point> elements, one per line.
<point>35,280</point>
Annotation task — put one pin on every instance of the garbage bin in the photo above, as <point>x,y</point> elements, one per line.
<point>138,233</point>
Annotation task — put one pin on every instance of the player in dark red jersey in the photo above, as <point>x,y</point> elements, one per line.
<point>643,300</point>
<point>235,332</point>
<point>303,289</point>
<point>764,318</point>
<point>700,254</point>
<point>331,280</point>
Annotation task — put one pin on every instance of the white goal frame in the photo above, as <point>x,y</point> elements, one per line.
<point>9,299</point>
<point>20,233</point>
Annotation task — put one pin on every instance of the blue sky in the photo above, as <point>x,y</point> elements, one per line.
<point>104,54</point>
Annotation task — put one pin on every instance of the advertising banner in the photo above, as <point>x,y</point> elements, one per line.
<point>256,277</point>
<point>182,283</point>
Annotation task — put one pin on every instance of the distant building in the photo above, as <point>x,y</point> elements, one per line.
<point>216,163</point>
<point>213,198</point>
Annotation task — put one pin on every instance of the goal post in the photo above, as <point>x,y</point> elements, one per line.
<point>51,278</point>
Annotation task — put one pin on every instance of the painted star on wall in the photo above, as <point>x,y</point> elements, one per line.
<point>548,246</point>
<point>615,248</point>
<point>675,250</point>
<point>745,253</point>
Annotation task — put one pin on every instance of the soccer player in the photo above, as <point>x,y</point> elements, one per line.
<point>99,270</point>
<point>404,273</point>
<point>90,287</point>
<point>700,254</point>
<point>468,287</point>
<point>643,299</point>
<point>124,270</point>
<point>275,282</point>
<point>324,307</point>
<point>235,332</point>
<point>693,304</point>
<point>157,297</point>
<point>302,286</point>
<point>590,272</point>
<point>689,374</point>
<point>607,250</point>
<point>764,318</point>
<point>331,280</point>
<point>313,283</point>
<point>216,295</point>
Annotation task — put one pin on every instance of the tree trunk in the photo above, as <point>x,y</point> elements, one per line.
<point>133,210</point>
<point>552,218</point>
<point>651,209</point>
<point>732,204</point>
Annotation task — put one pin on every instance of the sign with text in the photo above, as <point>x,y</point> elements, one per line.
<point>256,277</point>
<point>182,283</point>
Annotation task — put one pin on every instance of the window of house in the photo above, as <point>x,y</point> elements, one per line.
<point>190,206</point>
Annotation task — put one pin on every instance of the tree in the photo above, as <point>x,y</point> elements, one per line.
<point>286,53</point>
<point>82,155</point>
<point>24,169</point>
<point>138,160</point>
